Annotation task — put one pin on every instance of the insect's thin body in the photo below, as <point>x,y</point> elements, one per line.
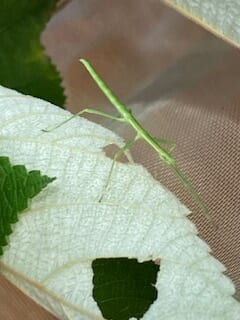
<point>141,133</point>
<point>165,156</point>
<point>127,117</point>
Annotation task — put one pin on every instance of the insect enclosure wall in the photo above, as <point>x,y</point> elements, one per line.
<point>181,83</point>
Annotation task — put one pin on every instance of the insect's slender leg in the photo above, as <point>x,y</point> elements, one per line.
<point>117,155</point>
<point>193,192</point>
<point>87,110</point>
<point>172,144</point>
<point>128,156</point>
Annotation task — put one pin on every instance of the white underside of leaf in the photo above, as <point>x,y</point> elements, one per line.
<point>51,249</point>
<point>219,16</point>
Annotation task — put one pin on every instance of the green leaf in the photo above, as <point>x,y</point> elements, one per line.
<point>23,63</point>
<point>17,186</point>
<point>123,288</point>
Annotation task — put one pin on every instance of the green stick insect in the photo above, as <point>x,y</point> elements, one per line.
<point>126,116</point>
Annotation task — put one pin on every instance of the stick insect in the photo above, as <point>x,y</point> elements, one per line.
<point>126,116</point>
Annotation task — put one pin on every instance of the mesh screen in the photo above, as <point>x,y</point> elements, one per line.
<point>204,121</point>
<point>208,152</point>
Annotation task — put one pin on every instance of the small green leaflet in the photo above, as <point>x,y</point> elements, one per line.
<point>124,288</point>
<point>17,186</point>
<point>23,63</point>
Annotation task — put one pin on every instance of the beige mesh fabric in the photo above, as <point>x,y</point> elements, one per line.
<point>204,120</point>
<point>182,84</point>
<point>208,152</point>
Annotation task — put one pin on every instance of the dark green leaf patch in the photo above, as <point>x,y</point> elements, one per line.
<point>23,63</point>
<point>124,288</point>
<point>17,186</point>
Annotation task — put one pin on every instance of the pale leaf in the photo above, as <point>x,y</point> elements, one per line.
<point>219,17</point>
<point>52,246</point>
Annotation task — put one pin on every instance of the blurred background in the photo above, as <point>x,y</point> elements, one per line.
<point>181,82</point>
